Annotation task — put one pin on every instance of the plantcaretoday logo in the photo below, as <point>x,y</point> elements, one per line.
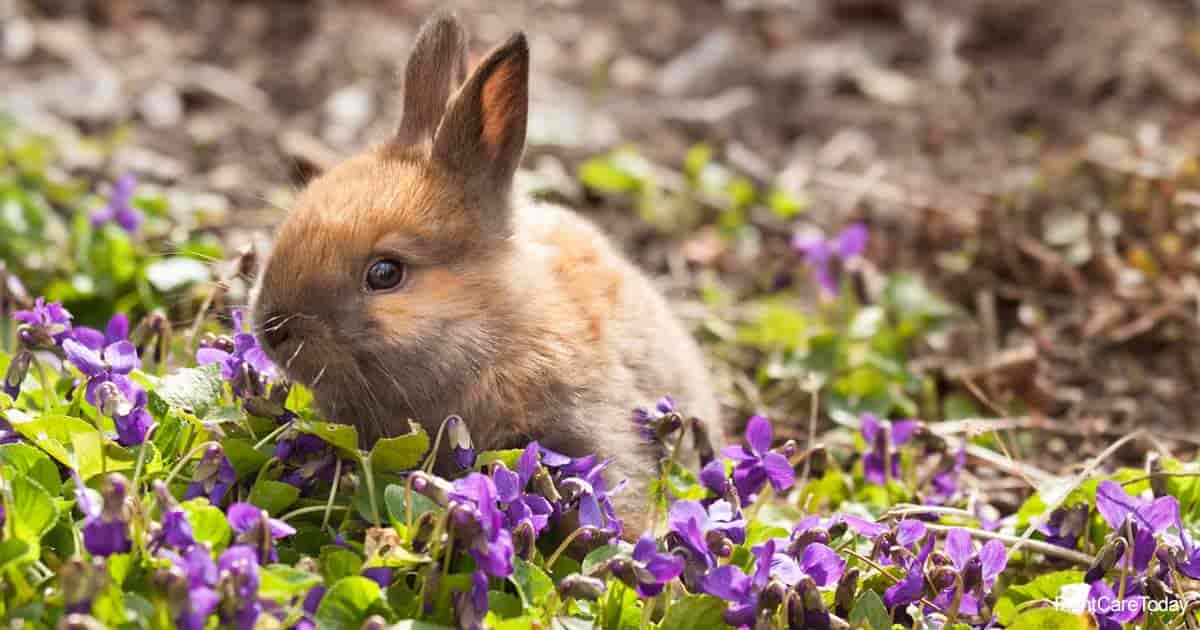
<point>1074,598</point>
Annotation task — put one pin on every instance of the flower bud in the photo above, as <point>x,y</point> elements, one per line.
<point>972,574</point>
<point>280,391</point>
<point>461,446</point>
<point>80,582</point>
<point>1106,560</point>
<point>433,578</point>
<point>424,529</point>
<point>523,538</point>
<point>772,595</point>
<point>433,488</point>
<point>718,543</point>
<point>623,570</point>
<point>847,589</point>
<point>803,539</point>
<point>944,577</point>
<point>576,586</point>
<point>1158,483</point>
<point>543,483</point>
<point>18,369</point>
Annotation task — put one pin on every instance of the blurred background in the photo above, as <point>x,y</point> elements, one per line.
<point>1030,162</point>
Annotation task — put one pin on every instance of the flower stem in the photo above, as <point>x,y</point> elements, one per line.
<point>563,546</point>
<point>313,508</point>
<point>337,478</point>
<point>271,435</point>
<point>186,458</point>
<point>141,460</point>
<point>370,479</point>
<point>437,444</point>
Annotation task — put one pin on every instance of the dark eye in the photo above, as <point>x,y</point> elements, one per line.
<point>385,274</point>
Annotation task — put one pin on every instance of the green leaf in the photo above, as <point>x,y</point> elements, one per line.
<point>349,602</point>
<point>1044,587</point>
<point>33,511</point>
<point>15,552</point>
<point>532,583</point>
<point>869,610</point>
<point>509,457</point>
<point>694,611</point>
<point>273,496</point>
<point>29,462</point>
<point>343,437</point>
<point>246,460</point>
<point>193,390</point>
<point>402,452</point>
<point>208,523</point>
<point>281,582</point>
<point>1046,619</point>
<point>51,433</point>
<point>338,563</point>
<point>395,501</point>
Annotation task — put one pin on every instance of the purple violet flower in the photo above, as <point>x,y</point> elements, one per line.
<point>116,330</point>
<point>197,566</point>
<point>257,530</point>
<point>522,508</point>
<point>470,608</point>
<point>989,560</point>
<point>380,575</point>
<point>247,355</point>
<point>480,524</point>
<point>651,423</point>
<point>308,457</point>
<point>1065,525</point>
<point>728,582</point>
<point>110,365</point>
<point>106,516</point>
<point>881,462</point>
<point>823,254</point>
<point>702,534</point>
<point>49,321</point>
<point>213,478</point>
<point>1110,611</point>
<point>461,446</point>
<point>1143,517</point>
<point>652,569</point>
<point>120,207</point>
<point>312,601</point>
<point>758,465</point>
<point>238,583</point>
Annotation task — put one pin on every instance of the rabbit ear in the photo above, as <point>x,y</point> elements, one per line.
<point>482,134</point>
<point>436,67</point>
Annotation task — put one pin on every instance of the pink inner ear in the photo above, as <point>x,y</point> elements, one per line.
<point>500,105</point>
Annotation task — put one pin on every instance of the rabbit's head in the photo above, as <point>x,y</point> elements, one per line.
<point>393,281</point>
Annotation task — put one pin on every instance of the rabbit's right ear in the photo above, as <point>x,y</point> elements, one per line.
<point>436,67</point>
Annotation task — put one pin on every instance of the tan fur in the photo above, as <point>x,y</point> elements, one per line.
<point>522,318</point>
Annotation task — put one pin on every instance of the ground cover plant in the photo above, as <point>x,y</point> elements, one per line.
<point>152,479</point>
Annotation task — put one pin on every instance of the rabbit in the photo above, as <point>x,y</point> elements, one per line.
<point>405,283</point>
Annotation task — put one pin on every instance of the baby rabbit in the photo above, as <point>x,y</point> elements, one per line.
<point>406,284</point>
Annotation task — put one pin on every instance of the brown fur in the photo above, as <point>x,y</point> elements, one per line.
<point>524,320</point>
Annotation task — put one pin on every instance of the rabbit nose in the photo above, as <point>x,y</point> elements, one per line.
<point>277,330</point>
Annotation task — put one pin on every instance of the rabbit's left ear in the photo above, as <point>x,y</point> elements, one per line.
<point>436,67</point>
<point>482,135</point>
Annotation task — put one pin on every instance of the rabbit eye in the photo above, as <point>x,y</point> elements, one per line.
<point>385,274</point>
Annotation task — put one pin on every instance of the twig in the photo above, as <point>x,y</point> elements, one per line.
<point>1044,548</point>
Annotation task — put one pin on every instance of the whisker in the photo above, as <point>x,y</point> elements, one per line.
<point>295,354</point>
